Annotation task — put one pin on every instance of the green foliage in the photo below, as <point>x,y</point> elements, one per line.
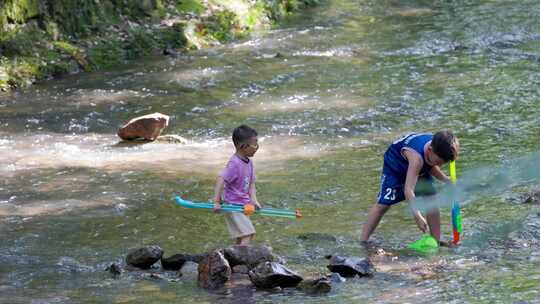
<point>106,54</point>
<point>21,42</point>
<point>17,11</point>
<point>255,15</point>
<point>310,2</point>
<point>190,6</point>
<point>66,47</point>
<point>174,36</point>
<point>222,25</point>
<point>50,38</point>
<point>139,43</point>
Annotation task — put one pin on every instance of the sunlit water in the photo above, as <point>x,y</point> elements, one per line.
<point>327,93</point>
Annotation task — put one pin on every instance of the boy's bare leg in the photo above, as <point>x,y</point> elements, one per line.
<point>433,218</point>
<point>374,217</point>
<point>245,240</point>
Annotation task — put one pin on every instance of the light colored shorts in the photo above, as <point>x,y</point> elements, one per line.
<point>239,224</point>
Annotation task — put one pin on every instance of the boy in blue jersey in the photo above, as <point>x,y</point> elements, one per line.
<point>411,162</point>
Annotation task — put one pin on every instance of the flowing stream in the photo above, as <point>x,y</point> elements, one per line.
<point>327,92</point>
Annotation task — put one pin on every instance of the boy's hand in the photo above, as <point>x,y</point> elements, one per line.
<point>257,205</point>
<point>217,206</point>
<point>421,222</point>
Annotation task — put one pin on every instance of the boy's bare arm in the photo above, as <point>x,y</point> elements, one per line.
<point>415,165</point>
<point>253,195</point>
<point>438,174</point>
<point>218,191</point>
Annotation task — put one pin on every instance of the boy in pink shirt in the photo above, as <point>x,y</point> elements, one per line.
<point>236,184</point>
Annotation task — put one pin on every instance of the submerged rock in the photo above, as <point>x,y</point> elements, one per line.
<point>144,257</point>
<point>147,127</point>
<point>336,278</point>
<point>249,255</point>
<point>532,197</point>
<point>350,266</point>
<point>114,269</point>
<point>316,286</point>
<point>174,262</point>
<point>269,275</point>
<point>214,271</point>
<point>171,139</point>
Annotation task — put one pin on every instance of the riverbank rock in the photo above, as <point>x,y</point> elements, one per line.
<point>144,257</point>
<point>249,255</point>
<point>350,266</point>
<point>315,286</point>
<point>270,275</point>
<point>147,127</point>
<point>214,271</point>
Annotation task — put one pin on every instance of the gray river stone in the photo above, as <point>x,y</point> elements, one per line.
<point>316,286</point>
<point>351,266</point>
<point>269,275</point>
<point>144,257</point>
<point>176,261</point>
<point>115,269</point>
<point>249,255</point>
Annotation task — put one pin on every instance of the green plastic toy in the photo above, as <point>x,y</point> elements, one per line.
<point>426,244</point>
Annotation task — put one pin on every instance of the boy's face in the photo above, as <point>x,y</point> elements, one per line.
<point>250,147</point>
<point>433,159</point>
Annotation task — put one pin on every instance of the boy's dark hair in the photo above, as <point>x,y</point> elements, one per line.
<point>242,134</point>
<point>442,145</point>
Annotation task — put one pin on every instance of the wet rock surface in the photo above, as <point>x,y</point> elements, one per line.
<point>114,269</point>
<point>350,266</point>
<point>249,255</point>
<point>316,286</point>
<point>147,127</point>
<point>176,261</point>
<point>270,275</point>
<point>214,271</point>
<point>144,257</point>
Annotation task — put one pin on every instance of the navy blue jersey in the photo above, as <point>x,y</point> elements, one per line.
<point>396,164</point>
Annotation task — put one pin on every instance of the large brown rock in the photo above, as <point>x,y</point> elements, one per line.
<point>214,271</point>
<point>146,127</point>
